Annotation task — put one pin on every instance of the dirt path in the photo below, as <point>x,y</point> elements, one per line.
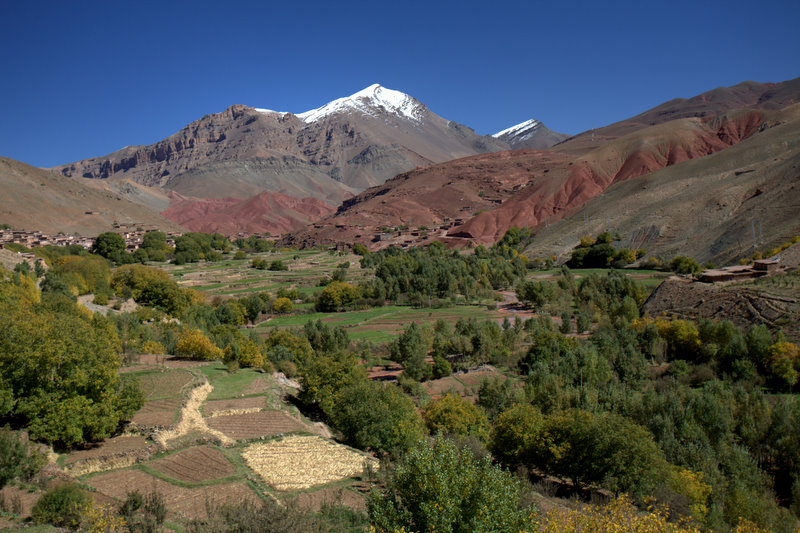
<point>511,307</point>
<point>192,420</point>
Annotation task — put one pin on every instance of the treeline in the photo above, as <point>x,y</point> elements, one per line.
<point>427,276</point>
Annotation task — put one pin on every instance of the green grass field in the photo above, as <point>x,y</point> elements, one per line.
<point>382,324</point>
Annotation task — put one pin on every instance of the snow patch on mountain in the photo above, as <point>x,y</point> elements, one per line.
<point>523,130</point>
<point>369,102</point>
<point>270,111</point>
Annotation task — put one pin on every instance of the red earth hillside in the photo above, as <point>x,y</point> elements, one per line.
<point>266,212</point>
<point>631,156</point>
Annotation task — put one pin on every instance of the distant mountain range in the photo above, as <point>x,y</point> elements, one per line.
<point>330,153</point>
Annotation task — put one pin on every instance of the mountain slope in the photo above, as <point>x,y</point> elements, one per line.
<point>745,95</point>
<point>35,199</point>
<point>263,213</point>
<point>708,208</point>
<point>627,157</point>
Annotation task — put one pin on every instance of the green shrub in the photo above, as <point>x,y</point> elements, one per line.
<point>62,506</point>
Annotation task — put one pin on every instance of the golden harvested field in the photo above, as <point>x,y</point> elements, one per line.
<point>253,425</point>
<point>201,463</point>
<point>300,462</point>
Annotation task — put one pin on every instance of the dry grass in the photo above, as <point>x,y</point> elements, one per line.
<point>301,462</point>
<point>192,420</point>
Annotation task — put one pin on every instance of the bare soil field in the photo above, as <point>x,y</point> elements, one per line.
<point>180,500</point>
<point>158,413</point>
<point>772,301</point>
<point>217,407</point>
<point>257,386</point>
<point>158,385</point>
<point>465,384</point>
<point>254,425</point>
<point>108,448</point>
<point>26,500</point>
<point>201,463</point>
<point>300,462</point>
<point>331,496</point>
<point>151,361</point>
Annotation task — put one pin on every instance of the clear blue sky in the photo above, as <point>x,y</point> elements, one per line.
<point>81,79</point>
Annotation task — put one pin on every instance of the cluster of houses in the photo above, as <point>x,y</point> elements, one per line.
<point>408,237</point>
<point>30,239</point>
<point>759,269</point>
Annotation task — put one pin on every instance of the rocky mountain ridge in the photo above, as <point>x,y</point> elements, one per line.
<point>342,147</point>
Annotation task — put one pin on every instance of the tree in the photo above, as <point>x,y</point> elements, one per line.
<point>298,346</point>
<point>440,488</point>
<point>324,338</point>
<point>605,449</point>
<point>278,265</point>
<point>453,415</point>
<point>110,245</point>
<point>324,375</point>
<point>62,371</point>
<point>335,296</point>
<point>282,305</point>
<point>375,416</point>
<point>194,344</point>
<point>154,241</point>
<point>409,349</point>
<point>684,265</point>
<point>516,435</point>
<point>785,360</point>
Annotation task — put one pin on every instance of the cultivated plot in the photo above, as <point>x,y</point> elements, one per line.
<point>300,462</point>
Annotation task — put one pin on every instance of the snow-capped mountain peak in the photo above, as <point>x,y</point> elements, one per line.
<point>369,101</point>
<point>521,131</point>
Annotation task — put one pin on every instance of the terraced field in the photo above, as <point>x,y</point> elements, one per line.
<point>196,466</point>
<point>237,278</point>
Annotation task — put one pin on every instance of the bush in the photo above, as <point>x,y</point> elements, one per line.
<point>453,415</point>
<point>288,368</point>
<point>282,305</point>
<point>442,488</point>
<point>100,298</point>
<point>278,265</point>
<point>62,506</point>
<point>684,265</point>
